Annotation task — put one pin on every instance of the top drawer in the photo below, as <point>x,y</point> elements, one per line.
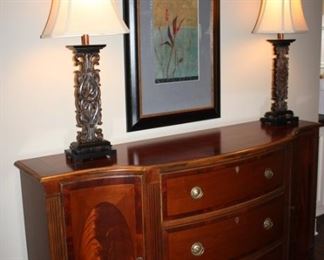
<point>206,189</point>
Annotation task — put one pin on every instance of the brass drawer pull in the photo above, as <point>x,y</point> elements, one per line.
<point>268,224</point>
<point>268,173</point>
<point>197,249</point>
<point>196,193</point>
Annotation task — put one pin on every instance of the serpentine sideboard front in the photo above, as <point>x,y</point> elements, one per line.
<point>242,191</point>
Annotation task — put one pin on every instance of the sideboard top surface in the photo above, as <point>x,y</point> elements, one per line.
<point>211,143</point>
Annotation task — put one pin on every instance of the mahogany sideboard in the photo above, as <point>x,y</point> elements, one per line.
<point>235,192</point>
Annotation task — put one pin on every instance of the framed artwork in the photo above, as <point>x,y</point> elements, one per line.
<point>172,58</point>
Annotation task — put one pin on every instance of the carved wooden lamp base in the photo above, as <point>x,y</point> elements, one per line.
<point>279,114</point>
<point>90,144</point>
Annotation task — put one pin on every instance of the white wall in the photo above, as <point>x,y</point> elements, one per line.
<point>36,91</point>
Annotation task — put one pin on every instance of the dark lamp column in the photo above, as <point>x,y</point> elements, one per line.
<point>279,114</point>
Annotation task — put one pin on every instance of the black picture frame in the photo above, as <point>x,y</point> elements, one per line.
<point>134,66</point>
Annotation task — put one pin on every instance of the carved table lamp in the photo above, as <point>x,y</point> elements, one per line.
<point>81,18</point>
<point>280,17</point>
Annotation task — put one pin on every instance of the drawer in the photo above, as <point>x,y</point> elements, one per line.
<point>235,236</point>
<point>273,252</point>
<point>201,190</point>
<point>276,253</point>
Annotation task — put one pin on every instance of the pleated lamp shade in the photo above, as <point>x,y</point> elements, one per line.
<point>70,18</point>
<point>281,16</point>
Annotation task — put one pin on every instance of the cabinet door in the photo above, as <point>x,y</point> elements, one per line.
<point>303,201</point>
<point>103,218</point>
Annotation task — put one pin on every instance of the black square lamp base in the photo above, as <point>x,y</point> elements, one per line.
<point>279,118</point>
<point>81,153</point>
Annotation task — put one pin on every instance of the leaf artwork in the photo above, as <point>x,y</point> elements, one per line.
<point>175,40</point>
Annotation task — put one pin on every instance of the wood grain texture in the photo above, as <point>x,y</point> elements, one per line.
<point>304,178</point>
<point>237,175</point>
<point>35,216</point>
<point>104,218</point>
<point>146,195</point>
<point>274,251</point>
<point>214,144</point>
<point>56,228</point>
<point>230,238</point>
<point>153,222</point>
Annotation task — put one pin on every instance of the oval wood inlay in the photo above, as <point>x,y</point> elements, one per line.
<point>106,235</point>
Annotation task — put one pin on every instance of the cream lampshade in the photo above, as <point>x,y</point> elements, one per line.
<point>280,17</point>
<point>78,17</point>
<point>70,18</point>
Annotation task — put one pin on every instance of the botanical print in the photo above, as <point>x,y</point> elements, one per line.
<point>175,40</point>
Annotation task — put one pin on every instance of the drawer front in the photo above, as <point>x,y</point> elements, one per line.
<point>200,190</point>
<point>276,253</point>
<point>234,236</point>
<point>273,252</point>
